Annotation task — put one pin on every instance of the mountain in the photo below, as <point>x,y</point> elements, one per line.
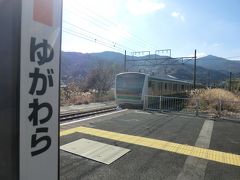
<point>210,69</point>
<point>76,65</point>
<point>219,64</point>
<point>109,56</point>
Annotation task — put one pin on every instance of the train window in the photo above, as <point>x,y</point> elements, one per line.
<point>159,86</point>
<point>174,87</point>
<point>149,83</point>
<point>165,84</point>
<point>129,84</point>
<point>153,85</point>
<point>182,87</point>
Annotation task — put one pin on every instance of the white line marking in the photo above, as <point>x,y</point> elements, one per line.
<point>194,168</point>
<point>141,112</point>
<point>85,119</point>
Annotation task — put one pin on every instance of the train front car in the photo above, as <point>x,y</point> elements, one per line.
<point>130,89</point>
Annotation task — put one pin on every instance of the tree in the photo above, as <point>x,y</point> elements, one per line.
<point>101,77</point>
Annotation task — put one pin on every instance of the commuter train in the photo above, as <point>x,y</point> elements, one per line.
<point>132,87</point>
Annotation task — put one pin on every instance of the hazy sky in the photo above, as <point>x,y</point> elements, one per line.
<point>210,26</point>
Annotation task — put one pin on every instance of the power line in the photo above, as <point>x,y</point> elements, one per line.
<point>91,33</point>
<point>96,21</point>
<point>100,17</point>
<point>83,36</point>
<point>106,28</point>
<point>97,25</point>
<point>76,34</point>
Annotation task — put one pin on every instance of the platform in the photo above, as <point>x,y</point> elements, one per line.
<point>163,146</point>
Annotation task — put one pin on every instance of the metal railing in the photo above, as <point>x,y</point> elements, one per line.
<point>214,108</point>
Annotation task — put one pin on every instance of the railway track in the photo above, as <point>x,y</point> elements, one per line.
<point>78,114</point>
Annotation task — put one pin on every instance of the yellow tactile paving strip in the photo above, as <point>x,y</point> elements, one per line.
<point>217,156</point>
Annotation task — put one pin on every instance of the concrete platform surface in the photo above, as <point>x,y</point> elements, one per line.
<point>163,146</point>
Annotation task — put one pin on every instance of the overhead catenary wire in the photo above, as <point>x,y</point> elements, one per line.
<point>96,36</point>
<point>106,21</point>
<point>109,22</point>
<point>92,40</point>
<point>99,22</point>
<point>106,29</point>
<point>79,35</point>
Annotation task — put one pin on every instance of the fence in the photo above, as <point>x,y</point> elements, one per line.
<point>213,108</point>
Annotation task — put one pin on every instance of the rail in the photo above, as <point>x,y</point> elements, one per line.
<point>79,114</point>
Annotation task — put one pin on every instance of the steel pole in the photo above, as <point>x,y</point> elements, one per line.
<point>194,70</point>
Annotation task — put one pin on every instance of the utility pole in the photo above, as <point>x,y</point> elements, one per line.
<point>230,81</point>
<point>125,61</point>
<point>194,69</point>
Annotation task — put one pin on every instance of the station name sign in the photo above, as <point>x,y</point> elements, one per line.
<point>39,89</point>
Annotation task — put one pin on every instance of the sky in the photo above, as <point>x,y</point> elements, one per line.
<point>210,27</point>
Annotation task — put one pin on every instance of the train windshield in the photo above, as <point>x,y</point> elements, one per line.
<point>130,84</point>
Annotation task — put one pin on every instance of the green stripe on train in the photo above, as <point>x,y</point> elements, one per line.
<point>129,97</point>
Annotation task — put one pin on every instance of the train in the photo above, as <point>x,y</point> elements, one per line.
<point>132,87</point>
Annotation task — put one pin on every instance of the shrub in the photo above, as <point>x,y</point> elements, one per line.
<point>216,101</point>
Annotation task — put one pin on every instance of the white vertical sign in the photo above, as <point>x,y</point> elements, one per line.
<point>39,89</point>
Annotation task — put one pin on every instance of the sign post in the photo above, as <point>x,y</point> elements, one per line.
<point>30,83</point>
